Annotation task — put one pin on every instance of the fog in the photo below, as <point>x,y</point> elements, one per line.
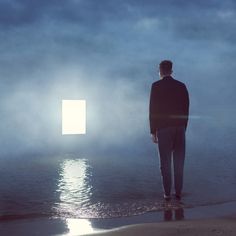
<point>107,54</point>
<point>32,111</point>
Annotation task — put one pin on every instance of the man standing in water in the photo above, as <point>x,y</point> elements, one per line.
<point>168,116</point>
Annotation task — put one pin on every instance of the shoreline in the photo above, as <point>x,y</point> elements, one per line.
<point>207,227</point>
<point>195,213</point>
<point>219,218</point>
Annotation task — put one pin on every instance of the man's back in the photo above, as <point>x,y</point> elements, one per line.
<point>169,104</point>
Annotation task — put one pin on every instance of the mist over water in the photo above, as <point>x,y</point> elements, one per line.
<point>69,52</point>
<point>117,112</point>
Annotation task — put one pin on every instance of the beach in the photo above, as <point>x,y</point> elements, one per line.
<point>225,226</point>
<point>210,227</point>
<point>78,107</point>
<point>217,220</point>
<point>70,196</point>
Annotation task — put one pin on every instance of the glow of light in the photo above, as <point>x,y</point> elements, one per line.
<point>78,227</point>
<point>72,184</point>
<point>73,117</point>
<point>74,189</point>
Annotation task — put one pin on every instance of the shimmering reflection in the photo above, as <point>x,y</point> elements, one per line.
<point>79,200</point>
<point>74,187</point>
<point>78,227</point>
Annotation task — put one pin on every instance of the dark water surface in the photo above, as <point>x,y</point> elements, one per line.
<point>73,186</point>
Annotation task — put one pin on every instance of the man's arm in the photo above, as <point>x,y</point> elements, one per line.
<point>151,111</point>
<point>186,107</point>
<point>151,116</point>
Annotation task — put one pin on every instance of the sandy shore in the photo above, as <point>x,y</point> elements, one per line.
<point>209,227</point>
<point>217,220</point>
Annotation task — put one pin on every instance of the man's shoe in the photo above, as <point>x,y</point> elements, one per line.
<point>167,197</point>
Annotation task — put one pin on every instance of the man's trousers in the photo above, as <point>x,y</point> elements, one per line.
<point>171,145</point>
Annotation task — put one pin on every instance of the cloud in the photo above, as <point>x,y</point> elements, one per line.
<point>201,20</point>
<point>106,52</point>
<point>147,24</point>
<point>90,13</point>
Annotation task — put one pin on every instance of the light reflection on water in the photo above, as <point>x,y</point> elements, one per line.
<point>73,187</point>
<point>75,190</point>
<point>105,189</point>
<point>78,227</point>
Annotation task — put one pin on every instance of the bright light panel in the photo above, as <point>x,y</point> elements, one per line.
<point>73,116</point>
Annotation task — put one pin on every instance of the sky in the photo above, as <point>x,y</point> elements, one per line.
<point>107,53</point>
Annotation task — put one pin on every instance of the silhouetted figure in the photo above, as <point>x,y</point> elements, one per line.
<point>168,115</point>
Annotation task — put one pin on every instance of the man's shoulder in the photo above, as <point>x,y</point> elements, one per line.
<point>179,83</point>
<point>172,81</point>
<point>156,83</point>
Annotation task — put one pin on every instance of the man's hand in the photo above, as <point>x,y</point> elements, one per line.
<point>154,138</point>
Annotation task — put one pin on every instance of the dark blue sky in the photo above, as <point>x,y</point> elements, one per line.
<point>107,52</point>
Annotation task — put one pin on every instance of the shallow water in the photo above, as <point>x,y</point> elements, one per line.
<point>72,186</point>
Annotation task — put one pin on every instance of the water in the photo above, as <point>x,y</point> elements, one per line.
<point>72,186</point>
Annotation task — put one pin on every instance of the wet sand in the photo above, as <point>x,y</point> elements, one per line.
<point>214,220</point>
<point>209,227</point>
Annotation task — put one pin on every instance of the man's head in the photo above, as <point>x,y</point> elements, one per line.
<point>165,68</point>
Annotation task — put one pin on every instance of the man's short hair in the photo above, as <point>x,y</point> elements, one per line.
<point>166,67</point>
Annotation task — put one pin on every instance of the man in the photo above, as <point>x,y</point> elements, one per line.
<point>168,115</point>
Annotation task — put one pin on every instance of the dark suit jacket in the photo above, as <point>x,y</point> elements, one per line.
<point>169,104</point>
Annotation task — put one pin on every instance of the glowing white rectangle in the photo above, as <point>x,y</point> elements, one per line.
<point>73,116</point>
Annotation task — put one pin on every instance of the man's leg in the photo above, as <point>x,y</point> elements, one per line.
<point>165,150</point>
<point>178,158</point>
